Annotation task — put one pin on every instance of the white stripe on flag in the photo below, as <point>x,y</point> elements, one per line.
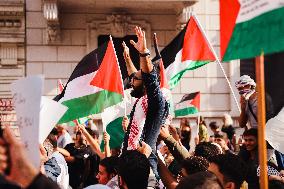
<point>251,8</point>
<point>79,87</point>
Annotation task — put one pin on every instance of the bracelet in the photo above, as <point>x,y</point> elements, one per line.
<point>144,54</point>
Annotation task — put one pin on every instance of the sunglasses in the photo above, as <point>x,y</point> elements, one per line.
<point>136,78</point>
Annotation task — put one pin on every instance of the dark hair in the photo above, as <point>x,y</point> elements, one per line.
<point>206,150</point>
<point>251,132</point>
<point>276,184</point>
<point>93,133</point>
<point>53,140</point>
<point>213,125</point>
<point>194,164</point>
<point>200,180</point>
<point>110,164</point>
<point>232,167</point>
<point>221,135</point>
<point>54,131</point>
<point>134,168</point>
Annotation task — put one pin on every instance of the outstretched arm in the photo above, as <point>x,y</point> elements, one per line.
<point>129,64</point>
<point>107,147</point>
<point>140,46</point>
<point>93,143</point>
<point>166,176</point>
<point>177,150</point>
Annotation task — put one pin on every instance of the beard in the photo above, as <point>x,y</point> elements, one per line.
<point>137,92</point>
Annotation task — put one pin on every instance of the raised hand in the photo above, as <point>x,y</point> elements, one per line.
<point>125,50</point>
<point>106,137</point>
<point>22,171</point>
<point>173,132</point>
<point>125,123</point>
<point>144,149</point>
<point>140,45</point>
<point>164,132</point>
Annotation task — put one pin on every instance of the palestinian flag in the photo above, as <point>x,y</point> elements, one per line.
<point>94,85</point>
<point>249,28</point>
<point>188,50</point>
<point>189,104</point>
<point>112,119</point>
<point>75,122</point>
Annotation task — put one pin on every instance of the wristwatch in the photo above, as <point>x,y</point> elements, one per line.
<point>145,53</point>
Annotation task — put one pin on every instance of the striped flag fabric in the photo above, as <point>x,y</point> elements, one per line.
<point>248,28</point>
<point>189,104</point>
<point>187,51</point>
<point>112,119</point>
<point>75,122</point>
<point>94,85</point>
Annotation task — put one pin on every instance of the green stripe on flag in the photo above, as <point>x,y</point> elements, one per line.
<point>186,111</point>
<point>114,129</point>
<point>263,33</point>
<point>191,66</point>
<point>89,104</point>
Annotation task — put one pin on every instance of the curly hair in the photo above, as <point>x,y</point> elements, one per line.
<point>194,164</point>
<point>206,150</point>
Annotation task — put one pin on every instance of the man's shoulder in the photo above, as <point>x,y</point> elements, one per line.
<point>58,156</point>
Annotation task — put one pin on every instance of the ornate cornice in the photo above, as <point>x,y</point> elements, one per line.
<point>11,15</point>
<point>118,25</point>
<point>51,14</point>
<point>12,32</point>
<point>182,17</point>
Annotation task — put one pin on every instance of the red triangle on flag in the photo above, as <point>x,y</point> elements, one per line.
<point>229,11</point>
<point>108,76</point>
<point>196,101</point>
<point>195,46</point>
<point>60,86</point>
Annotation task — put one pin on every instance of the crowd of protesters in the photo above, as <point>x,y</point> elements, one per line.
<point>154,153</point>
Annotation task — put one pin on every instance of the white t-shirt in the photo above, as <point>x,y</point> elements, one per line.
<point>56,169</point>
<point>64,139</point>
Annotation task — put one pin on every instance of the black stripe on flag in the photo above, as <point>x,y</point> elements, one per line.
<point>89,64</point>
<point>170,51</point>
<point>187,97</point>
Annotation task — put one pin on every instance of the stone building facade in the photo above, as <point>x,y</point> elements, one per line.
<point>49,37</point>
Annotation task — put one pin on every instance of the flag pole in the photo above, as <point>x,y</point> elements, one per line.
<point>261,119</point>
<point>110,38</point>
<point>198,119</point>
<point>218,60</point>
<point>57,88</point>
<point>124,107</point>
